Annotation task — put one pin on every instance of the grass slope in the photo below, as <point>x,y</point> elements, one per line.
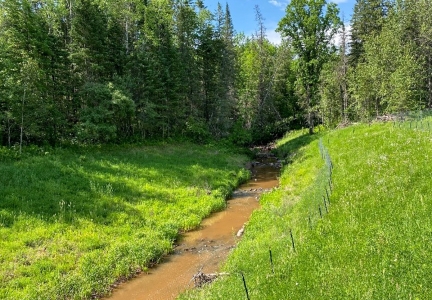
<point>375,242</point>
<point>74,222</point>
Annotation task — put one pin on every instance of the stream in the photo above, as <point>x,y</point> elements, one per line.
<point>204,249</point>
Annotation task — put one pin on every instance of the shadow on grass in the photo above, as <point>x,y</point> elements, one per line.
<point>292,146</point>
<point>96,186</point>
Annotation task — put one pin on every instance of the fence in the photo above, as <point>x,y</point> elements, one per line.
<point>321,194</point>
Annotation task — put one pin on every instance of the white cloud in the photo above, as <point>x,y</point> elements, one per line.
<point>280,3</point>
<point>284,3</point>
<point>274,37</point>
<point>270,33</point>
<point>337,40</point>
<point>276,3</point>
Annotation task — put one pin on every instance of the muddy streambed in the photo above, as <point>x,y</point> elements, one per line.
<point>204,249</point>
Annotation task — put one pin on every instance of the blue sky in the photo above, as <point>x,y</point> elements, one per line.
<point>243,13</point>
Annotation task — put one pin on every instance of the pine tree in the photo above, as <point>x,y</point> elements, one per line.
<point>226,68</point>
<point>36,71</point>
<point>416,19</point>
<point>334,89</point>
<point>186,23</point>
<point>159,103</point>
<point>367,21</point>
<point>387,80</point>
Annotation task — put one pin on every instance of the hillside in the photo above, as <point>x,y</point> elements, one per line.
<point>373,243</point>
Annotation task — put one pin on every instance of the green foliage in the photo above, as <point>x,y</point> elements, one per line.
<point>318,22</point>
<point>123,110</point>
<point>197,131</point>
<point>175,63</point>
<point>330,94</point>
<point>90,216</point>
<point>178,68</point>
<point>336,103</point>
<point>387,81</point>
<point>415,19</point>
<point>266,103</point>
<point>374,241</point>
<point>240,136</point>
<point>101,108</point>
<point>366,22</point>
<point>106,114</point>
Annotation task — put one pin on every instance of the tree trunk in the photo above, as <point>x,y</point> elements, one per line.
<point>22,121</point>
<point>310,121</point>
<point>309,110</point>
<point>429,74</point>
<point>343,70</point>
<point>9,132</point>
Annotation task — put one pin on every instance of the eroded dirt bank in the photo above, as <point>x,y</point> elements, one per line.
<point>204,249</point>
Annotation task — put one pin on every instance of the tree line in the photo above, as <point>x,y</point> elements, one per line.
<point>97,71</point>
<point>380,65</point>
<point>383,65</point>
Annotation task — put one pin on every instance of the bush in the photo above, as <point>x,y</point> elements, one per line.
<point>106,113</point>
<point>197,131</point>
<point>240,136</point>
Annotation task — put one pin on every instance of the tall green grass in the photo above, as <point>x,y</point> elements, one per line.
<point>374,243</point>
<point>72,222</point>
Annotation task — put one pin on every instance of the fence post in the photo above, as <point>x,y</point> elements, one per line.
<point>245,286</point>
<point>271,260</point>
<point>292,241</point>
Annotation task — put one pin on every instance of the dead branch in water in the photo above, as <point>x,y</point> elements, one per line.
<point>200,278</point>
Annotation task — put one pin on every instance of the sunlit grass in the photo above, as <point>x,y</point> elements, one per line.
<point>376,240</point>
<point>74,222</point>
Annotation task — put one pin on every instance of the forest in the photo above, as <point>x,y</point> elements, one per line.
<point>109,113</point>
<point>94,71</point>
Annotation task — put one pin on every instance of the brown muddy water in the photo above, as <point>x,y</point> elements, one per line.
<point>204,249</point>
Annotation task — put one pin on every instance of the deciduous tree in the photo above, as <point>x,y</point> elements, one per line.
<point>310,26</point>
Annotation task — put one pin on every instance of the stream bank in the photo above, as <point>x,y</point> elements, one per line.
<point>202,251</point>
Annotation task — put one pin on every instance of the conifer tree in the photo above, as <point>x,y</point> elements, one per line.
<point>186,23</point>
<point>334,89</point>
<point>366,21</point>
<point>35,71</point>
<point>416,19</point>
<point>387,80</point>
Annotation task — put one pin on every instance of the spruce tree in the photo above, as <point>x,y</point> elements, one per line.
<point>366,21</point>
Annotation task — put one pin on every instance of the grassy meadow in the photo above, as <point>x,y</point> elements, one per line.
<point>74,221</point>
<point>373,236</point>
